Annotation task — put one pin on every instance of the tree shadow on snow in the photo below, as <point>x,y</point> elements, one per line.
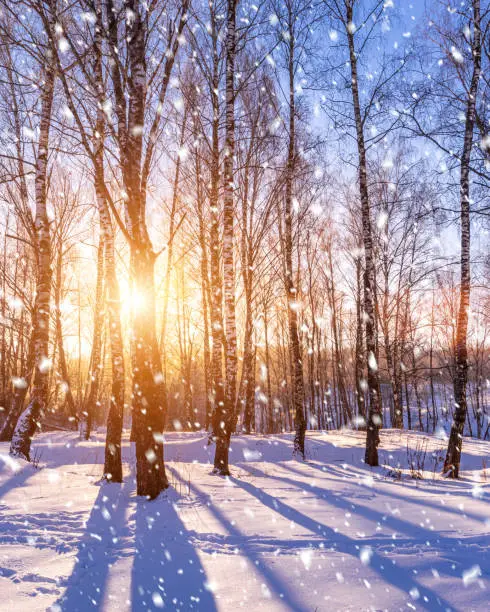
<point>106,535</point>
<point>417,531</point>
<point>285,591</point>
<point>393,574</point>
<point>18,479</point>
<point>334,473</point>
<point>167,572</point>
<point>326,450</point>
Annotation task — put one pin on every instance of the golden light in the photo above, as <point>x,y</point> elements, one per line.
<point>131,300</point>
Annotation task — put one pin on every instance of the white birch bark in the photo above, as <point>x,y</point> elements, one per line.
<point>453,456</point>
<point>30,419</point>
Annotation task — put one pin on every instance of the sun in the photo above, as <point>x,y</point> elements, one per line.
<point>132,301</point>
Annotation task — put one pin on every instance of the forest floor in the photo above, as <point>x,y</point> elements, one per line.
<point>280,534</point>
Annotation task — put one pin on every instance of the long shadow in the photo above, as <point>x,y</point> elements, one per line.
<point>396,523</point>
<point>347,478</point>
<point>18,479</point>
<point>275,583</point>
<point>167,571</point>
<point>103,543</point>
<point>399,450</point>
<point>472,546</point>
<point>395,575</point>
<point>226,544</point>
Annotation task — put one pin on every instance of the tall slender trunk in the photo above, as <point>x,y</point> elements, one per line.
<point>312,379</point>
<point>246,393</point>
<point>291,290</point>
<point>359,358</point>
<point>26,371</point>
<point>431,364</point>
<point>112,457</point>
<point>216,305</point>
<point>32,415</point>
<point>216,291</point>
<point>204,278</point>
<point>90,403</point>
<point>206,351</point>
<point>320,411</point>
<point>453,456</point>
<point>374,421</point>
<point>19,393</point>
<point>311,376</point>
<point>396,415</point>
<point>147,399</point>
<point>63,366</point>
<point>270,406</point>
<point>402,377</point>
<point>168,271</point>
<point>339,370</point>
<point>395,373</point>
<point>248,364</point>
<point>27,366</point>
<point>407,400</point>
<point>187,415</point>
<point>3,300</point>
<point>112,454</point>
<point>224,417</point>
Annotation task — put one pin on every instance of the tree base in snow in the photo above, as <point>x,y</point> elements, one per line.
<point>453,456</point>
<point>221,471</point>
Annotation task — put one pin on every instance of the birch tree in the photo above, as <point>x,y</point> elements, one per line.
<point>224,415</point>
<point>456,44</point>
<point>29,420</point>
<point>293,27</point>
<point>357,22</point>
<point>453,456</point>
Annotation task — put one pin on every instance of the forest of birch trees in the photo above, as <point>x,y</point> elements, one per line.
<point>243,217</point>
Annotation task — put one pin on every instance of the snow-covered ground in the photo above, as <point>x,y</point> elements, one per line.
<point>280,534</point>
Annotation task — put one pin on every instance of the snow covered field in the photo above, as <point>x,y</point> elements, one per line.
<point>328,534</point>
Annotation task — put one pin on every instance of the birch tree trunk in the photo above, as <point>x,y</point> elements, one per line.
<point>359,360</point>
<point>147,397</point>
<point>112,456</point>
<point>63,366</point>
<point>396,373</point>
<point>270,405</point>
<point>27,368</point>
<point>396,415</point>
<point>224,416</point>
<point>19,394</point>
<point>86,417</point>
<point>374,420</point>
<point>168,270</point>
<point>247,383</point>
<point>453,456</point>
<point>216,293</point>
<point>291,290</point>
<point>336,335</point>
<point>3,301</point>
<point>249,375</point>
<point>29,420</point>
<point>204,283</point>
<point>216,304</point>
